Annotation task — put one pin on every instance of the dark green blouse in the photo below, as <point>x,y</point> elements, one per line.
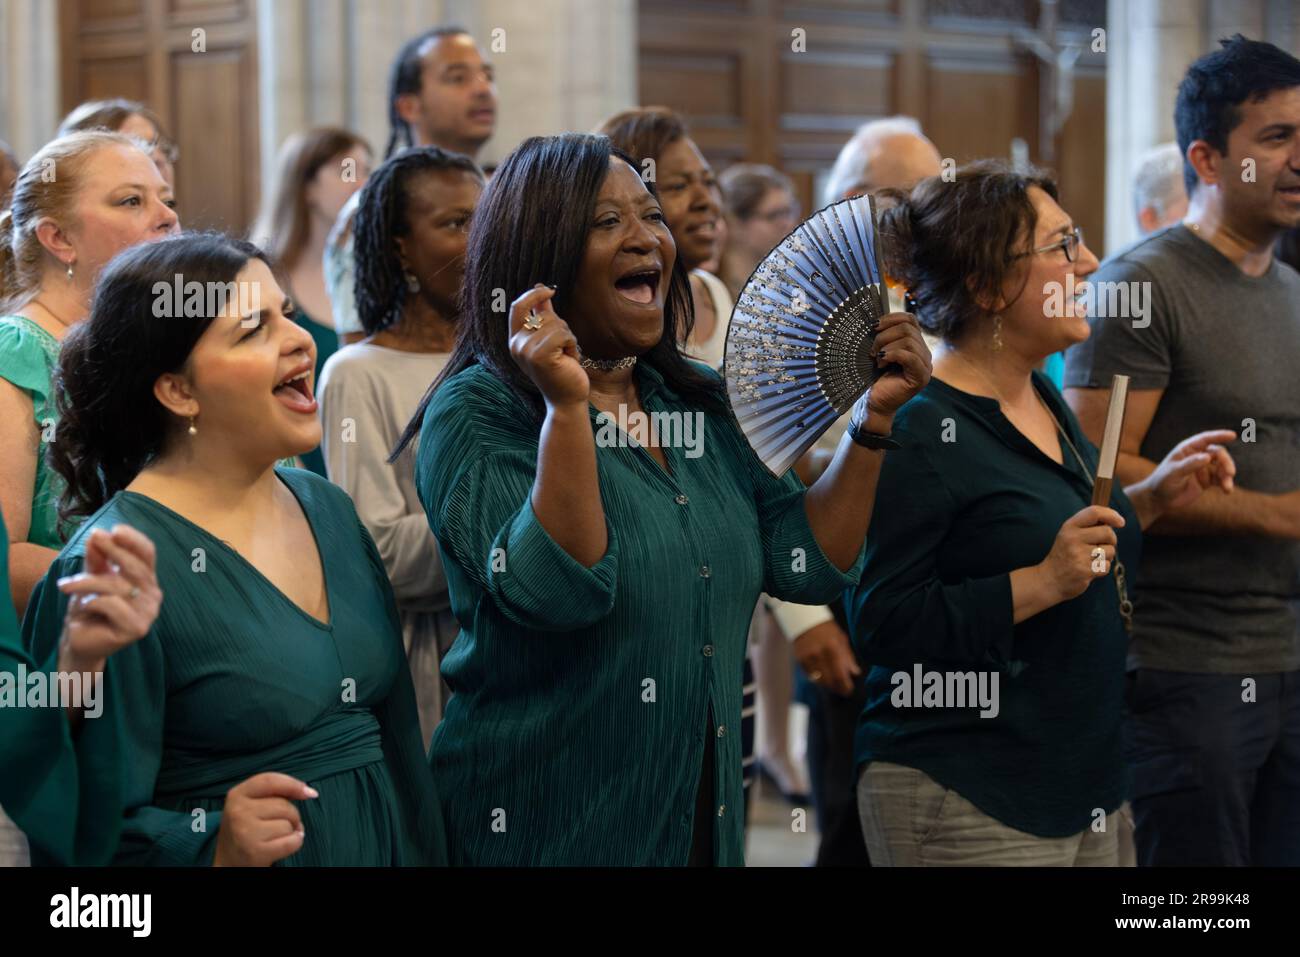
<point>327,343</point>
<point>234,679</point>
<point>967,500</point>
<point>63,794</point>
<point>582,696</point>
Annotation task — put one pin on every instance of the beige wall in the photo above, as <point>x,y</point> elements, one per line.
<point>566,64</point>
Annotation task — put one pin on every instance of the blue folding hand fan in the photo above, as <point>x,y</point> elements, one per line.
<point>799,347</point>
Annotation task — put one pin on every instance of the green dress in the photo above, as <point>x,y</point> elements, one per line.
<point>327,343</point>
<point>582,697</point>
<point>63,794</point>
<point>235,680</point>
<point>28,355</point>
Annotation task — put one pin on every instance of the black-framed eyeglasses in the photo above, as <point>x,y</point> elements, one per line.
<point>1070,243</point>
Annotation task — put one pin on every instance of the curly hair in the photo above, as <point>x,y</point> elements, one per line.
<point>953,245</point>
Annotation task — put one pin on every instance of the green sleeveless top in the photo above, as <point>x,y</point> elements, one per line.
<point>27,358</point>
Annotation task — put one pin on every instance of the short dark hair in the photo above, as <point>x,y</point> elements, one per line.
<point>532,225</point>
<point>953,244</point>
<point>382,217</point>
<point>644,132</point>
<point>407,76</point>
<point>1216,85</point>
<point>110,423</point>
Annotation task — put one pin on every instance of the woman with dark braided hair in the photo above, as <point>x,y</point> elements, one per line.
<point>441,92</point>
<point>411,231</point>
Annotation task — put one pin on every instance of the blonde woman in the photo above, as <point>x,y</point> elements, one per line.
<point>60,231</point>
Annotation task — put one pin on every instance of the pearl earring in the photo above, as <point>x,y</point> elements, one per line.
<point>193,430</point>
<point>997,333</point>
<point>412,284</point>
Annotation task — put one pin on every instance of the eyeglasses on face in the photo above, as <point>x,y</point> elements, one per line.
<point>1070,243</point>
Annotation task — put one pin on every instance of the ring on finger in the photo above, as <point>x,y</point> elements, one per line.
<point>533,322</point>
<point>134,593</point>
<point>815,676</point>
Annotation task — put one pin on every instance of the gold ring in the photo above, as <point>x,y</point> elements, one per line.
<point>816,676</point>
<point>533,322</point>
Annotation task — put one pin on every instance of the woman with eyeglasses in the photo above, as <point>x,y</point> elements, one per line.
<point>991,605</point>
<point>761,211</point>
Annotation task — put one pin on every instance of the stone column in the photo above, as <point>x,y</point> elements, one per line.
<point>29,74</point>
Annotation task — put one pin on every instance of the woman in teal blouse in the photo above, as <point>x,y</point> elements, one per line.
<point>46,281</point>
<point>987,607</point>
<point>605,587</point>
<point>277,658</point>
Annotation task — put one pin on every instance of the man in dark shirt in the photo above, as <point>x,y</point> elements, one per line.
<point>1211,339</point>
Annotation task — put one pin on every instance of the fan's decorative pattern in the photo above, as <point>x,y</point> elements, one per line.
<point>799,347</point>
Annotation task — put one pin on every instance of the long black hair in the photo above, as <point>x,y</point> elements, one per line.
<point>407,76</point>
<point>110,423</point>
<point>531,226</point>
<point>382,217</point>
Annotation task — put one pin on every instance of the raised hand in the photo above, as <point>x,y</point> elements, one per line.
<point>113,602</point>
<point>1192,466</point>
<point>904,362</point>
<point>549,353</point>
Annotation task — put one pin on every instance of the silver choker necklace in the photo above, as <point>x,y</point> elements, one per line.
<point>608,365</point>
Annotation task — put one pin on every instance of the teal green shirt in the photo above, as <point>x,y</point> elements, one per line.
<point>64,794</point>
<point>582,696</point>
<point>327,343</point>
<point>28,355</point>
<point>234,679</point>
<point>966,501</point>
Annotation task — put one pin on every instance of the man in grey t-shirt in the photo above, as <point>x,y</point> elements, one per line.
<point>1209,332</point>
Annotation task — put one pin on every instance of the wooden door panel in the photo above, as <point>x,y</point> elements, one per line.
<point>143,50</point>
<point>950,63</point>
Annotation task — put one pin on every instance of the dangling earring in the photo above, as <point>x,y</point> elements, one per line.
<point>193,430</point>
<point>997,333</point>
<point>69,272</point>
<point>412,284</point>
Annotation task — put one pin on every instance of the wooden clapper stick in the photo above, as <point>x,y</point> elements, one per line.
<point>1110,441</point>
